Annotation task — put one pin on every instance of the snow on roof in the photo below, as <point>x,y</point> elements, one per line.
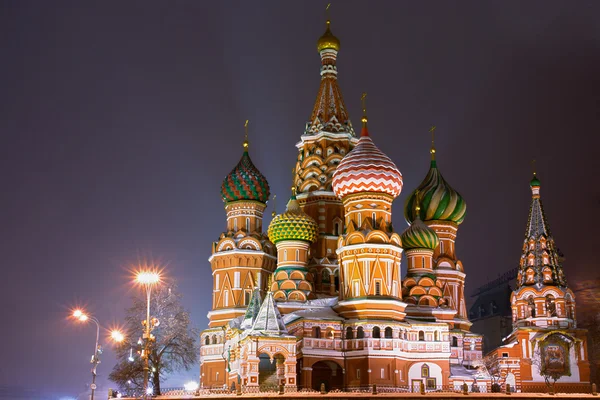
<point>268,320</point>
<point>326,313</point>
<point>459,371</point>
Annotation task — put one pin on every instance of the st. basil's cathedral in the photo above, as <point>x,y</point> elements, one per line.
<point>320,298</point>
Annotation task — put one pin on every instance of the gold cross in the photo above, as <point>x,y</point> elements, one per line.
<point>533,166</point>
<point>432,151</point>
<point>274,206</point>
<point>363,99</point>
<point>246,134</point>
<point>327,11</point>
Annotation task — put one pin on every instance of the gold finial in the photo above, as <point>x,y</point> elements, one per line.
<point>246,135</point>
<point>533,166</point>
<point>294,191</point>
<point>363,99</point>
<point>432,151</point>
<point>274,212</point>
<point>269,282</point>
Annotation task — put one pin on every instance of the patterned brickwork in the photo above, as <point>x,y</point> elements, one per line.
<point>245,182</point>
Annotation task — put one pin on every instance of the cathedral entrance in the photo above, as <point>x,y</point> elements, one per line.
<point>270,371</point>
<point>329,373</point>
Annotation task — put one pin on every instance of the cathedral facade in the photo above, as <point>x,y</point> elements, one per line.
<point>322,297</point>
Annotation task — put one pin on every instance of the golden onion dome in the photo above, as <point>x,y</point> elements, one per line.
<point>328,40</point>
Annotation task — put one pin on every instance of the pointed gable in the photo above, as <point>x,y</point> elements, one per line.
<point>268,321</point>
<point>252,310</point>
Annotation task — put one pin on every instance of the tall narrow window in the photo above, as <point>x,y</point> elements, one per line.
<point>247,224</point>
<point>360,332</point>
<point>236,279</point>
<point>376,332</point>
<point>358,374</point>
<point>217,286</point>
<point>285,255</point>
<point>226,298</point>
<point>377,288</point>
<point>373,219</point>
<point>247,297</point>
<point>382,373</point>
<point>235,224</point>
<point>356,289</point>
<point>421,336</point>
<point>359,220</point>
<point>297,255</point>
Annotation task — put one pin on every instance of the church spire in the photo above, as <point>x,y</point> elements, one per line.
<point>329,112</point>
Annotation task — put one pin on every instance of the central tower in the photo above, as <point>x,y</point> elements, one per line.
<point>327,138</point>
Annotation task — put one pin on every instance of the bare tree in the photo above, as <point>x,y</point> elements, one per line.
<point>175,346</point>
<point>491,365</point>
<point>550,375</point>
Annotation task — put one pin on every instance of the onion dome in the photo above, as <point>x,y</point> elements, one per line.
<point>439,201</point>
<point>245,182</point>
<point>328,41</point>
<point>293,224</point>
<point>366,169</point>
<point>418,235</point>
<point>535,181</point>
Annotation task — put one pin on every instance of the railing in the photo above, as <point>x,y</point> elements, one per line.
<point>273,390</point>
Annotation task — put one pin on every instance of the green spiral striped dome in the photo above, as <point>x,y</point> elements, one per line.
<point>439,202</point>
<point>419,236</point>
<point>245,182</point>
<point>293,224</point>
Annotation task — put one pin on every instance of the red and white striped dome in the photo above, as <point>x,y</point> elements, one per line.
<point>366,169</point>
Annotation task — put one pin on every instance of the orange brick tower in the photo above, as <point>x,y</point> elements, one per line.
<point>370,252</point>
<point>327,138</point>
<point>545,341</point>
<point>443,209</point>
<point>243,258</point>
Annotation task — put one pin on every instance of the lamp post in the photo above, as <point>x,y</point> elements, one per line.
<point>147,279</point>
<point>115,335</point>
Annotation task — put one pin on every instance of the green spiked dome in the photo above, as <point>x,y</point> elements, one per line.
<point>439,202</point>
<point>535,181</point>
<point>245,182</point>
<point>419,236</point>
<point>293,224</point>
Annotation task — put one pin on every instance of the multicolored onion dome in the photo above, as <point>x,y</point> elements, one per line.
<point>419,236</point>
<point>245,182</point>
<point>366,169</point>
<point>293,224</point>
<point>439,202</point>
<point>328,41</point>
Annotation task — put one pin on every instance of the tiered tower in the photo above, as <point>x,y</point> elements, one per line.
<point>327,138</point>
<point>545,344</point>
<point>370,251</point>
<point>443,209</point>
<point>541,298</point>
<point>243,257</point>
<point>292,232</point>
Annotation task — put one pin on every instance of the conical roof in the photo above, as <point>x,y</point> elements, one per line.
<point>269,321</point>
<point>252,310</point>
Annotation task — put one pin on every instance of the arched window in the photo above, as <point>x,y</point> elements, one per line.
<point>388,333</point>
<point>214,339</point>
<point>454,341</point>
<point>376,332</point>
<point>247,224</point>
<point>360,333</point>
<point>550,306</point>
<point>316,332</point>
<point>531,306</point>
<point>421,336</point>
<point>330,334</point>
<point>207,339</point>
<point>349,333</point>
<point>437,336</point>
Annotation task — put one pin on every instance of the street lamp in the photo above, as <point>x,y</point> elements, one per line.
<point>117,336</point>
<point>147,279</point>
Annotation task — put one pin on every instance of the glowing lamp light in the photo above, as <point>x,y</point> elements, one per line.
<point>191,386</point>
<point>117,336</point>
<point>147,277</point>
<point>77,313</point>
<point>83,317</point>
<point>149,390</point>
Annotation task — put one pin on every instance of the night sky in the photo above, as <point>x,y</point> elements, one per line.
<point>119,121</point>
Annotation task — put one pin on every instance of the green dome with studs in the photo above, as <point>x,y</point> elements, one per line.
<point>439,201</point>
<point>245,182</point>
<point>419,236</point>
<point>293,224</point>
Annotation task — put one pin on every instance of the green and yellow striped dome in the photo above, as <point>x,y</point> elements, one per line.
<point>439,202</point>
<point>293,224</point>
<point>419,236</point>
